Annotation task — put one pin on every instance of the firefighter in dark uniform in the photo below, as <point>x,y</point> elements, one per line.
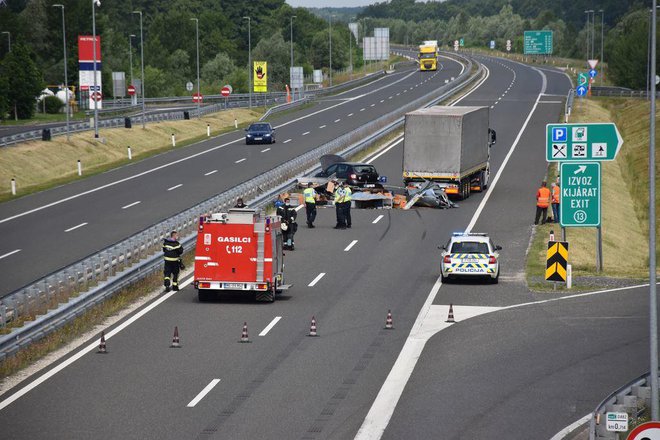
<point>288,217</point>
<point>172,251</point>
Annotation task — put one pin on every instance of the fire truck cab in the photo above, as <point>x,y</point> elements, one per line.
<point>239,251</point>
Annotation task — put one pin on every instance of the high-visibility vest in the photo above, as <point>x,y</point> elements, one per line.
<point>349,193</point>
<point>543,197</point>
<point>340,195</point>
<point>309,194</point>
<point>555,194</point>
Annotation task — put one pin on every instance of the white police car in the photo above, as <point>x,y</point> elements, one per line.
<point>470,255</point>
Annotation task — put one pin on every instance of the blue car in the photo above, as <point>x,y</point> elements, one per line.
<point>260,133</point>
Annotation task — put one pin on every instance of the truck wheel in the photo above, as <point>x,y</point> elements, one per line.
<point>203,295</point>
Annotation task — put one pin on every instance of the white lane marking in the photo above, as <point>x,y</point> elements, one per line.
<point>398,94</point>
<point>362,109</point>
<point>349,115</point>
<point>373,105</point>
<point>266,149</point>
<point>337,120</point>
<point>9,253</point>
<point>389,97</point>
<point>316,280</point>
<point>91,347</point>
<point>492,106</point>
<point>131,204</point>
<point>382,100</point>
<point>75,227</point>
<point>551,102</point>
<point>322,126</point>
<point>377,219</point>
<point>175,187</point>
<point>492,185</point>
<point>269,327</point>
<point>305,133</point>
<point>572,427</point>
<point>211,172</point>
<point>203,393</point>
<point>240,160</point>
<point>348,248</point>
<point>286,141</point>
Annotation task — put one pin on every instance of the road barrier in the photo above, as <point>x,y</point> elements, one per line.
<point>632,398</point>
<point>49,303</point>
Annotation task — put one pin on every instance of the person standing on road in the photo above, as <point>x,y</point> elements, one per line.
<point>339,196</point>
<point>542,202</point>
<point>288,217</point>
<point>347,206</point>
<point>172,251</point>
<point>556,191</point>
<point>310,204</point>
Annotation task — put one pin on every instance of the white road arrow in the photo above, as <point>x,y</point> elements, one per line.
<point>581,169</point>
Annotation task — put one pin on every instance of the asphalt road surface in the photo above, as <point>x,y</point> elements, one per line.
<point>47,231</point>
<point>514,366</point>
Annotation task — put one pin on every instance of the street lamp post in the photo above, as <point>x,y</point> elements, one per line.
<point>350,52</point>
<point>94,95</point>
<point>588,32</point>
<point>249,58</point>
<point>142,69</point>
<point>291,70</point>
<point>66,78</point>
<point>653,312</point>
<point>8,39</point>
<point>130,59</point>
<point>330,38</point>
<point>602,33</point>
<point>199,114</point>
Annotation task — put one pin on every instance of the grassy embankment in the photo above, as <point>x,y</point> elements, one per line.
<point>625,194</point>
<point>39,165</point>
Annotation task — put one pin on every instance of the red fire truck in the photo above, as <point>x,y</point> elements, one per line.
<point>239,251</point>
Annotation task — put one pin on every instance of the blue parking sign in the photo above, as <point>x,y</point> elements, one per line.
<point>559,134</point>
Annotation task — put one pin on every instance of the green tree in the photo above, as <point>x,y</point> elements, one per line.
<point>4,93</point>
<point>218,69</point>
<point>627,46</point>
<point>24,81</point>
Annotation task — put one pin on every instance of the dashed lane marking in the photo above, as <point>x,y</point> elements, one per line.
<point>9,253</point>
<point>211,172</point>
<point>240,160</point>
<point>75,227</point>
<point>377,219</point>
<point>316,280</point>
<point>266,149</point>
<point>203,393</point>
<point>269,327</point>
<point>131,204</point>
<point>175,187</point>
<point>348,248</point>
<point>286,141</point>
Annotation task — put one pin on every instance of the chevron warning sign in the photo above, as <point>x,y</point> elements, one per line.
<point>556,260</point>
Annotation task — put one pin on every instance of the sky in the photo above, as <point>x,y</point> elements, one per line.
<point>334,3</point>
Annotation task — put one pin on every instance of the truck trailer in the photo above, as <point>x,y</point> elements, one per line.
<point>239,251</point>
<point>450,146</point>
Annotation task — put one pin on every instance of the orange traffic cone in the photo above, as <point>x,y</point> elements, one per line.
<point>389,325</point>
<point>175,339</point>
<point>244,334</point>
<point>102,348</point>
<point>450,318</point>
<point>312,328</point>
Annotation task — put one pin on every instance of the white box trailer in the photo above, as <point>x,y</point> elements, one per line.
<point>448,145</point>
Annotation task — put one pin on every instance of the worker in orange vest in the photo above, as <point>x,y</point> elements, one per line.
<point>543,198</point>
<point>555,201</point>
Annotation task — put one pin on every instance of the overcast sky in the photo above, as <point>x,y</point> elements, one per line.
<point>334,3</point>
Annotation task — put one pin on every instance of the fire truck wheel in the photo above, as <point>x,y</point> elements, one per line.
<point>203,295</point>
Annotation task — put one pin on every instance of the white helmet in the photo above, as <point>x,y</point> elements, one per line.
<point>284,226</point>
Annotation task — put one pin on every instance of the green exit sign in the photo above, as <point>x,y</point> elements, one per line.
<point>538,42</point>
<point>580,194</point>
<point>582,142</point>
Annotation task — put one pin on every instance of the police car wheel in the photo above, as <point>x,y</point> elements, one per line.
<point>495,280</point>
<point>444,279</point>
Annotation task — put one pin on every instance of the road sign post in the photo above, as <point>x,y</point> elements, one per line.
<point>582,142</point>
<point>580,194</point>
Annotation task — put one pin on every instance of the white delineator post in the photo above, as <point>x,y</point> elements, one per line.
<point>79,168</point>
<point>130,156</point>
<point>173,140</point>
<point>208,130</point>
<point>13,186</point>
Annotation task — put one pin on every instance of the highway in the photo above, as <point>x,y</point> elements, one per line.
<point>94,213</point>
<point>514,366</point>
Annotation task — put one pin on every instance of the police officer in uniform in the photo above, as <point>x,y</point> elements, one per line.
<point>339,196</point>
<point>347,206</point>
<point>172,251</point>
<point>310,204</point>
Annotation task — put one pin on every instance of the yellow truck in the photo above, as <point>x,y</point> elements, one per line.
<point>428,55</point>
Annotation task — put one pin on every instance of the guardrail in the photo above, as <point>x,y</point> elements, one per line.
<point>568,107</point>
<point>222,103</point>
<point>52,301</point>
<point>631,398</point>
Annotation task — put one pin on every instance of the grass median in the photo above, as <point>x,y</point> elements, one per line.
<point>624,204</point>
<point>39,165</point>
